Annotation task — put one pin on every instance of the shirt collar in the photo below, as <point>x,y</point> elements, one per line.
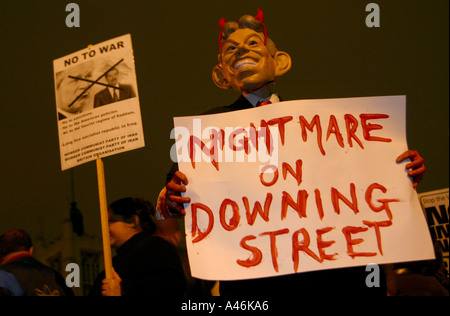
<point>253,98</point>
<point>111,90</point>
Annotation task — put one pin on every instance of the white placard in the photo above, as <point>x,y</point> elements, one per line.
<point>97,102</point>
<point>299,186</point>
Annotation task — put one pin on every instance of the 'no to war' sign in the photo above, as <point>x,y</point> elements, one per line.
<point>97,102</point>
<point>98,112</point>
<point>299,186</point>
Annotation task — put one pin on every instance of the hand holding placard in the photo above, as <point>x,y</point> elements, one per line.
<point>317,206</point>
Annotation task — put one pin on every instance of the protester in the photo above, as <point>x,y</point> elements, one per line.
<point>248,62</point>
<point>145,264</point>
<point>23,275</point>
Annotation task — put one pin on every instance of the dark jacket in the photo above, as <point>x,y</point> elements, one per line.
<point>104,96</point>
<point>148,266</point>
<point>32,279</point>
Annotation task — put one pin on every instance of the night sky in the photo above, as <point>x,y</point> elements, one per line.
<point>334,54</point>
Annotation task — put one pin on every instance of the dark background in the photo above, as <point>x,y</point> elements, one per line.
<point>175,45</point>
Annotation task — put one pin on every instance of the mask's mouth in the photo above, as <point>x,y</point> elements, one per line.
<point>246,62</point>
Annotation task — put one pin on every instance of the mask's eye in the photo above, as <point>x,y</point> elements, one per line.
<point>230,48</point>
<point>253,43</point>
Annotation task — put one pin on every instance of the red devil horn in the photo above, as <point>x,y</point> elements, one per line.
<point>222,22</point>
<point>260,15</point>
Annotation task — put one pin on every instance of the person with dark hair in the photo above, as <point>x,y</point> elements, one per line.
<point>145,263</point>
<point>23,275</point>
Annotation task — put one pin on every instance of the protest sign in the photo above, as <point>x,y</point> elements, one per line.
<point>98,113</point>
<point>97,102</point>
<point>299,186</point>
<point>435,206</point>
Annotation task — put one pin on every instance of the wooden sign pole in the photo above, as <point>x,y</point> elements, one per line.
<point>104,218</point>
<point>127,57</point>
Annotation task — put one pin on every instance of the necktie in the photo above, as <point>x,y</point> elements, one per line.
<point>262,103</point>
<point>116,97</point>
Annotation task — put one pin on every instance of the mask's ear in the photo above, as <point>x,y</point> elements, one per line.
<point>283,63</point>
<point>218,78</point>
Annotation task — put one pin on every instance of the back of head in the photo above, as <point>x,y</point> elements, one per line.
<point>127,209</point>
<point>13,241</point>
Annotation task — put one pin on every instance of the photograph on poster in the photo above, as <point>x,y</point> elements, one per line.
<point>93,84</point>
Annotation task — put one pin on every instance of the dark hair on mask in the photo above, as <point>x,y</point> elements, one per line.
<point>248,22</point>
<point>128,208</point>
